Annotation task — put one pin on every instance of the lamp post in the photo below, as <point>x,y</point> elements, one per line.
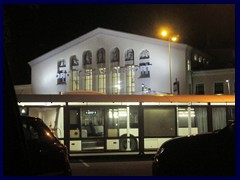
<point>171,38</point>
<point>228,85</point>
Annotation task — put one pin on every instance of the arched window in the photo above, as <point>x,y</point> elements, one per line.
<point>87,58</point>
<point>129,55</point>
<point>144,54</point>
<point>101,56</point>
<point>74,65</point>
<point>114,56</point>
<point>88,72</point>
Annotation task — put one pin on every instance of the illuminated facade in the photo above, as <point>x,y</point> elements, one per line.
<point>114,62</point>
<point>123,65</point>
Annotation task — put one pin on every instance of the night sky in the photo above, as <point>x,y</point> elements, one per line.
<point>32,30</point>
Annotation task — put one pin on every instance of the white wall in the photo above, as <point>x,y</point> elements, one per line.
<point>44,79</point>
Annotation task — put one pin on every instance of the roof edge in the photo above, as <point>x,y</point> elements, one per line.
<point>104,31</point>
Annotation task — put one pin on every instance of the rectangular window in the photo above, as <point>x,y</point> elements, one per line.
<point>102,80</point>
<point>88,80</point>
<point>159,122</point>
<point>200,89</point>
<point>75,80</point>
<point>116,86</point>
<point>219,118</point>
<point>92,123</point>
<point>117,121</point>
<point>218,88</point>
<point>130,80</point>
<point>192,120</point>
<point>231,114</point>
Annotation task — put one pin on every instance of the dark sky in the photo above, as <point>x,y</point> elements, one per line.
<point>32,30</point>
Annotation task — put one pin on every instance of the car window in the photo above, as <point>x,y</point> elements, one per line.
<point>26,132</point>
<point>38,131</point>
<point>29,132</point>
<point>34,133</point>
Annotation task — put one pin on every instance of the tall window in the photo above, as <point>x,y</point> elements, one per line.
<point>218,88</point>
<point>75,80</point>
<point>116,86</point>
<point>101,56</point>
<point>62,72</point>
<point>200,89</point>
<point>88,80</point>
<point>115,57</point>
<point>74,66</point>
<point>102,80</point>
<point>219,118</point>
<point>130,80</point>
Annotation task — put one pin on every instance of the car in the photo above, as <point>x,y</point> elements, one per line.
<point>46,154</point>
<point>29,147</point>
<point>209,154</point>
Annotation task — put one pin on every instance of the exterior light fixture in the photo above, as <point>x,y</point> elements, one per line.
<point>171,38</point>
<point>228,85</point>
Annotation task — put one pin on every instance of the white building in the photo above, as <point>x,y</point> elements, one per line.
<point>218,81</point>
<point>114,62</point>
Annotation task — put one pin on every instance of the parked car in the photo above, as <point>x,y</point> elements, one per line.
<point>47,155</point>
<point>203,154</point>
<point>29,147</point>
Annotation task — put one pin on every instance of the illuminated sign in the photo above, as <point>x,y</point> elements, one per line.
<point>90,112</point>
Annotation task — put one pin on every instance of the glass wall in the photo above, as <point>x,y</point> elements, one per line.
<point>92,129</point>
<point>116,128</point>
<point>122,124</point>
<point>87,127</point>
<point>219,118</point>
<point>87,124</point>
<point>52,117</point>
<point>192,120</point>
<point>92,123</point>
<point>201,119</point>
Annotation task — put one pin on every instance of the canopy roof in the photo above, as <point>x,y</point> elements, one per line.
<point>98,97</point>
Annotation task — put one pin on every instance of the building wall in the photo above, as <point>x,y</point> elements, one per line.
<point>210,77</point>
<point>44,72</point>
<point>23,89</point>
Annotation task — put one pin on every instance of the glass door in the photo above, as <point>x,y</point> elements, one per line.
<point>92,129</point>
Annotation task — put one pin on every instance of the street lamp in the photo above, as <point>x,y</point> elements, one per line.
<point>171,38</point>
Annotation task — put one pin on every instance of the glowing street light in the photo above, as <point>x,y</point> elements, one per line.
<point>171,38</point>
<point>228,85</point>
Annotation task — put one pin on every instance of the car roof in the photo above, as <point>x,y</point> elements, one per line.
<point>30,119</point>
